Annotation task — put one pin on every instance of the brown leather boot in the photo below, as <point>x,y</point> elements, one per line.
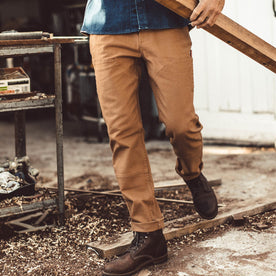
<point>146,249</point>
<point>204,198</point>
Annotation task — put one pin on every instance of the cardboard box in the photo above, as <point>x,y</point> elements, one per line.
<point>14,81</point>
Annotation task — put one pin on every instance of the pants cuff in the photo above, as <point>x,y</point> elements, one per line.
<point>187,176</point>
<point>147,227</point>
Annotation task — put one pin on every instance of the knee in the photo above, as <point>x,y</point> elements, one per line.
<point>125,132</point>
<point>182,130</point>
<point>126,137</point>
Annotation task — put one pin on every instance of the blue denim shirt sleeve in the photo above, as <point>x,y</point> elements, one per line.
<point>128,16</point>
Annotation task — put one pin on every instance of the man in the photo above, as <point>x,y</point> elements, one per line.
<point>122,32</point>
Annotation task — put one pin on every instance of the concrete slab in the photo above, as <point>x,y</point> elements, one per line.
<point>235,253</point>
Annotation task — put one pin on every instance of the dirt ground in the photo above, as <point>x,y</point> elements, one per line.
<point>247,174</point>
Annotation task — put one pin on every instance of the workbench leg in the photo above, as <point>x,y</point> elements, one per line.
<point>59,130</point>
<point>20,133</point>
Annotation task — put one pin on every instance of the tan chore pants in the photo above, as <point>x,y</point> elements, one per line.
<point>116,59</point>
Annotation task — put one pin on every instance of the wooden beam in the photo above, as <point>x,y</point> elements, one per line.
<point>180,201</point>
<point>176,184</point>
<point>27,227</point>
<point>27,208</point>
<point>118,193</point>
<point>231,33</point>
<point>122,242</point>
<point>158,186</point>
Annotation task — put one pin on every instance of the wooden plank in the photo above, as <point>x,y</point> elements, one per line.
<point>44,41</point>
<point>20,50</point>
<point>121,243</point>
<point>27,228</point>
<point>179,201</point>
<point>231,33</point>
<point>176,184</point>
<point>25,104</point>
<point>158,186</point>
<point>43,216</point>
<point>118,245</point>
<point>37,228</point>
<point>118,193</point>
<point>26,208</point>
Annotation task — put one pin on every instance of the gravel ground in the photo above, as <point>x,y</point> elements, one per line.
<point>62,250</point>
<point>246,173</point>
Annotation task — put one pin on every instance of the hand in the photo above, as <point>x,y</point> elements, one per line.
<point>206,13</point>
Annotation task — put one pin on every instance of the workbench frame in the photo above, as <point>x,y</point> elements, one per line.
<point>14,48</point>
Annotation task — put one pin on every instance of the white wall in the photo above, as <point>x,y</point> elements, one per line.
<point>229,85</point>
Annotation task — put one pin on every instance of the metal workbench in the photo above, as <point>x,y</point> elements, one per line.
<point>14,48</point>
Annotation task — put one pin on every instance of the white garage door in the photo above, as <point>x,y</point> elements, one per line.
<point>235,97</point>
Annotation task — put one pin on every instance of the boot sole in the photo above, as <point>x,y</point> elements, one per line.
<point>154,261</point>
<point>208,217</point>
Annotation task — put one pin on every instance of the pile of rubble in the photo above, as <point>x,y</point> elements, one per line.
<point>17,177</point>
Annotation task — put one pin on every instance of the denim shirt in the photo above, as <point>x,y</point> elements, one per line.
<point>128,16</point>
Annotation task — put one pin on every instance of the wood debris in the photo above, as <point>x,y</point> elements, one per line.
<point>62,251</point>
<point>27,226</point>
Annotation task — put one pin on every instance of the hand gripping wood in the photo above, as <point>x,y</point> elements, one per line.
<point>231,33</point>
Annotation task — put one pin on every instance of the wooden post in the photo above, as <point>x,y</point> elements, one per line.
<point>20,133</point>
<point>231,33</point>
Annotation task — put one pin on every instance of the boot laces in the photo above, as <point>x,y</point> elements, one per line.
<point>198,185</point>
<point>138,241</point>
